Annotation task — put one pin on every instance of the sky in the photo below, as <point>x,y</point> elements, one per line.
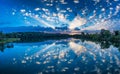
<point>73,14</point>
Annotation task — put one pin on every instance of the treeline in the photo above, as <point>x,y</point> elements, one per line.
<point>105,38</point>
<point>36,36</point>
<point>104,35</point>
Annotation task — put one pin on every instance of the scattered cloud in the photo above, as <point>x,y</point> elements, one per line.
<point>78,49</point>
<point>64,12</point>
<point>105,24</point>
<point>42,21</point>
<point>77,22</point>
<point>117,10</point>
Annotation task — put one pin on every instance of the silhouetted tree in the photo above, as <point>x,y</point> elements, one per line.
<point>105,34</point>
<point>116,33</point>
<point>82,33</point>
<point>1,36</point>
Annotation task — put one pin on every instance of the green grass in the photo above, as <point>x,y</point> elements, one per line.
<point>7,40</point>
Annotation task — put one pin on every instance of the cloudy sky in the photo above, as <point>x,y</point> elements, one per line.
<point>80,14</point>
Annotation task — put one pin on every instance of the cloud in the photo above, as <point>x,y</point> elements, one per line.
<point>38,19</point>
<point>78,49</point>
<point>105,24</point>
<point>37,9</point>
<point>76,1</point>
<point>62,18</point>
<point>43,22</point>
<point>22,10</point>
<point>63,2</point>
<point>117,10</point>
<point>77,22</point>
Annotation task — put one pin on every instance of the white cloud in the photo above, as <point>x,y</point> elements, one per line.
<point>76,1</point>
<point>92,16</point>
<point>69,9</point>
<point>54,14</point>
<point>78,49</point>
<point>96,1</point>
<point>104,24</point>
<point>43,22</point>
<point>117,10</point>
<point>63,11</point>
<point>77,22</point>
<point>45,10</point>
<point>49,4</point>
<point>57,8</point>
<point>63,2</point>
<point>13,13</point>
<point>97,26</point>
<point>37,9</point>
<point>38,19</point>
<point>26,14</point>
<point>111,8</point>
<point>103,9</point>
<point>62,18</point>
<point>22,10</point>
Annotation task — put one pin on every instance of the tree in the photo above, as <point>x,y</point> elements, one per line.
<point>82,33</point>
<point>105,34</point>
<point>116,33</point>
<point>1,35</point>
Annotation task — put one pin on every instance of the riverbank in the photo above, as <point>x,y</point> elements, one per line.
<point>8,40</point>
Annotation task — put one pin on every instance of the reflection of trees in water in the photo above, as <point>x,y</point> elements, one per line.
<point>107,44</point>
<point>104,44</point>
<point>117,45</point>
<point>3,46</point>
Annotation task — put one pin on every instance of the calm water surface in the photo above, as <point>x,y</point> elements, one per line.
<point>60,57</point>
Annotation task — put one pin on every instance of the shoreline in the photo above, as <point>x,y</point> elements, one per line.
<point>8,40</point>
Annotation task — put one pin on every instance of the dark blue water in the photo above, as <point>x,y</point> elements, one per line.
<point>70,56</point>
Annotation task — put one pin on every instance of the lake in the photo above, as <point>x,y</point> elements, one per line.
<point>67,56</point>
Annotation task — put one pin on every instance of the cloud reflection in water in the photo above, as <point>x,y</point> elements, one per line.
<point>63,56</point>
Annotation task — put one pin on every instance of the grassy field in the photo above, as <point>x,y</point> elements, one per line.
<point>7,40</point>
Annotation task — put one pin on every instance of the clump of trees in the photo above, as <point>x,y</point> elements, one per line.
<point>105,38</point>
<point>104,35</point>
<point>36,36</point>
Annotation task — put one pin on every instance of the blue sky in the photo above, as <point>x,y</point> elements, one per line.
<point>81,14</point>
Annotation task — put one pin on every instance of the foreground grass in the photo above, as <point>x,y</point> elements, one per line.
<point>7,40</point>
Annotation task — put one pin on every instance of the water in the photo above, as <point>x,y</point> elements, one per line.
<point>59,57</point>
